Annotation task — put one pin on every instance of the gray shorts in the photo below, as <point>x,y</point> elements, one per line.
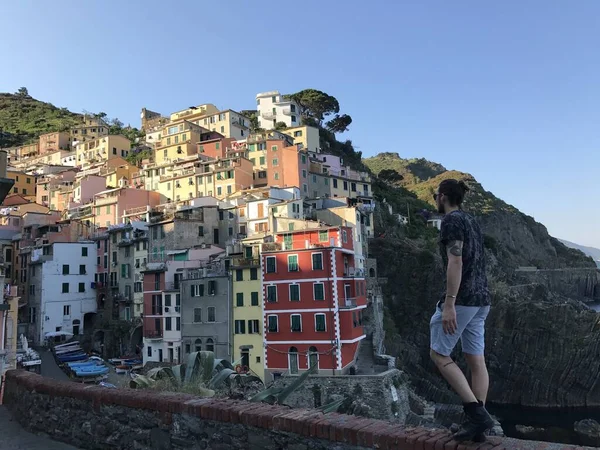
<point>470,331</point>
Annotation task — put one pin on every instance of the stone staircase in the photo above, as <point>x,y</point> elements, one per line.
<point>365,361</point>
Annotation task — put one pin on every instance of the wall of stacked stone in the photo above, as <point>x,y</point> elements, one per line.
<point>383,396</point>
<point>93,417</point>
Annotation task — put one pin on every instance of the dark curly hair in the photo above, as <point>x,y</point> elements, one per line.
<point>455,191</point>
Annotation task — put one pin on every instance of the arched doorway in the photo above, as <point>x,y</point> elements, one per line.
<point>372,272</point>
<point>98,341</point>
<point>76,324</point>
<point>101,302</point>
<point>88,322</point>
<point>137,340</point>
<point>210,345</point>
<point>293,360</point>
<point>198,345</point>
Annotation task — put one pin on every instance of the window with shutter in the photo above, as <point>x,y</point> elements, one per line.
<point>273,324</point>
<point>295,292</point>
<point>296,322</point>
<point>272,293</point>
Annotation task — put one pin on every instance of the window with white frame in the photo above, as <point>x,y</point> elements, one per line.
<point>272,293</point>
<point>294,292</point>
<point>317,261</point>
<point>320,322</point>
<point>293,263</point>
<point>271,266</point>
<point>254,326</point>
<point>296,322</point>
<point>319,291</point>
<point>273,324</point>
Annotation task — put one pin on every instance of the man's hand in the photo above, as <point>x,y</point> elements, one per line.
<point>449,319</point>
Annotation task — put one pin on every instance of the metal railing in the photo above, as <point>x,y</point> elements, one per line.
<point>245,262</point>
<point>349,302</point>
<point>354,272</point>
<point>153,334</point>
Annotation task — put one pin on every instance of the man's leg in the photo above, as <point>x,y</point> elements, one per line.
<point>473,345</point>
<point>480,379</point>
<point>441,347</point>
<point>454,376</point>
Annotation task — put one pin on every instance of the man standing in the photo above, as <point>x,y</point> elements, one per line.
<point>462,310</point>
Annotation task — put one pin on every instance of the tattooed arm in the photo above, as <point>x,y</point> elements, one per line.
<point>454,251</point>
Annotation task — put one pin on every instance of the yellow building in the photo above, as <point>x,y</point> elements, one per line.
<point>102,149</point>
<point>191,179</point>
<point>24,183</point>
<point>178,140</point>
<point>307,137</point>
<point>248,311</point>
<point>90,129</point>
<point>16,154</point>
<point>229,123</point>
<point>117,172</point>
<point>195,112</point>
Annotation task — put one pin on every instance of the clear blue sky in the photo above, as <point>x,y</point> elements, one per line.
<point>507,90</point>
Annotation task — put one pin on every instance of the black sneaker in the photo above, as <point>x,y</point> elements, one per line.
<point>478,421</point>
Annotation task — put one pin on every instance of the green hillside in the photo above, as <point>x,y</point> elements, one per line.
<point>515,238</point>
<point>23,119</point>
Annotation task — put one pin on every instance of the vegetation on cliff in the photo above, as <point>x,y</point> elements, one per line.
<point>23,118</point>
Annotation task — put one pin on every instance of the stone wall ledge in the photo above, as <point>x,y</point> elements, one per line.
<point>257,425</point>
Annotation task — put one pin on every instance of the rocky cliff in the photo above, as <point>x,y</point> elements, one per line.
<point>542,343</point>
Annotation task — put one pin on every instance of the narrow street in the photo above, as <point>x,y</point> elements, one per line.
<point>14,437</point>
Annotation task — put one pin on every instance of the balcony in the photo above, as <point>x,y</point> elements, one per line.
<point>170,310</point>
<point>80,212</point>
<point>153,334</point>
<point>123,298</point>
<point>107,200</point>
<point>268,115</point>
<point>271,246</point>
<point>288,111</point>
<point>353,272</point>
<point>348,303</point>
<point>245,262</point>
<point>173,286</point>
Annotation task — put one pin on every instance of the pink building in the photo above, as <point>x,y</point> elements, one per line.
<point>110,205</point>
<point>86,187</point>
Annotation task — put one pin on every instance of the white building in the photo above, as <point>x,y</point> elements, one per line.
<point>61,297</point>
<point>273,108</point>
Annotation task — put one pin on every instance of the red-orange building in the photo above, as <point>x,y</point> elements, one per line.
<point>312,301</point>
<point>213,145</point>
<point>286,166</point>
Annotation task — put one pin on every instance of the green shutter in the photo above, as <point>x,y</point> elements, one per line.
<point>239,299</point>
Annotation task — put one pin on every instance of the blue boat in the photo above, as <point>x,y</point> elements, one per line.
<point>132,362</point>
<point>74,357</point>
<point>83,364</point>
<point>90,371</point>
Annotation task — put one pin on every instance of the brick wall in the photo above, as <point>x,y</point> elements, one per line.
<point>93,417</point>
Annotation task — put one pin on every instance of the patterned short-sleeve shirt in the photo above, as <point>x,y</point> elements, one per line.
<point>460,226</point>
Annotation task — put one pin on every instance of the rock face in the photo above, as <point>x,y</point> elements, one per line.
<point>543,350</point>
<point>544,354</point>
